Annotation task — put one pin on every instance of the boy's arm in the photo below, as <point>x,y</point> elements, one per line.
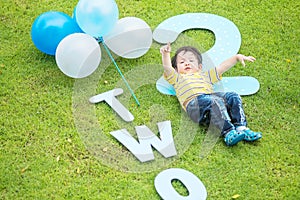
<point>230,62</point>
<point>166,59</point>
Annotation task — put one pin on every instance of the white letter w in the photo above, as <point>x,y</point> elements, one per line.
<point>142,149</point>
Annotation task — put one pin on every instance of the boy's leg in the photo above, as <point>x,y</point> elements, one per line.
<point>210,109</point>
<point>238,118</point>
<point>231,136</point>
<point>235,108</point>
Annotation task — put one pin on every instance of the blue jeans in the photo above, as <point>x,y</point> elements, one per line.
<point>222,110</point>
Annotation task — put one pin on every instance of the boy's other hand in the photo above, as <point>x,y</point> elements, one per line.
<point>242,59</point>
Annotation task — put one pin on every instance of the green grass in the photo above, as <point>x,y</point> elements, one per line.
<point>43,153</point>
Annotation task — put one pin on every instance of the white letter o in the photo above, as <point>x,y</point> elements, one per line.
<point>164,187</point>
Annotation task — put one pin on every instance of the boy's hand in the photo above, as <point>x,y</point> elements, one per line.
<point>242,58</point>
<point>166,48</point>
<point>166,60</point>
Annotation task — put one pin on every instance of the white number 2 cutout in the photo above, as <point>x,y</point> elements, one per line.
<point>227,36</point>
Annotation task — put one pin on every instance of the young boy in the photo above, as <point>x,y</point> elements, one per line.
<point>194,90</point>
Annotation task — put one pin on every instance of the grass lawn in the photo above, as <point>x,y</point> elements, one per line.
<point>51,147</point>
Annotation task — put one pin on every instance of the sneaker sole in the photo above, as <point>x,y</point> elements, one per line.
<point>237,139</point>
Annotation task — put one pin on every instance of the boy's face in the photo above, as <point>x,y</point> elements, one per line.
<point>187,62</point>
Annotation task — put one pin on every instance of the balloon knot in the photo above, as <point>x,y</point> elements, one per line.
<point>100,39</point>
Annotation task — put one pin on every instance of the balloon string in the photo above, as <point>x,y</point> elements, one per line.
<point>118,69</point>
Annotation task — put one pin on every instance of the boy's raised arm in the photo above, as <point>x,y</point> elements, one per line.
<point>166,59</point>
<point>230,62</point>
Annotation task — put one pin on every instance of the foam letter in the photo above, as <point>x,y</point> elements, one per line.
<point>110,98</point>
<point>164,187</point>
<point>142,149</point>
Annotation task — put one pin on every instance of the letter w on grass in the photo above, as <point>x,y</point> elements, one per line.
<point>142,149</point>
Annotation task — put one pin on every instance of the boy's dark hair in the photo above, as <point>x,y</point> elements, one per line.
<point>186,49</point>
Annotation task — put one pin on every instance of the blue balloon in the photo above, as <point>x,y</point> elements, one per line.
<point>97,17</point>
<point>50,28</point>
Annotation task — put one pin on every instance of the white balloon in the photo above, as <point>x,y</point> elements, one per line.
<point>78,55</point>
<point>130,38</point>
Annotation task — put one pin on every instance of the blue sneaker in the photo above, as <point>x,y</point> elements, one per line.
<point>251,136</point>
<point>233,137</point>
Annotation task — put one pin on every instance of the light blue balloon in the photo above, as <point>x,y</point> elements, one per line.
<point>97,17</point>
<point>74,18</point>
<point>50,28</point>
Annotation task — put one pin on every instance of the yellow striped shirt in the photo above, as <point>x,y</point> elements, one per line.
<point>188,86</point>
